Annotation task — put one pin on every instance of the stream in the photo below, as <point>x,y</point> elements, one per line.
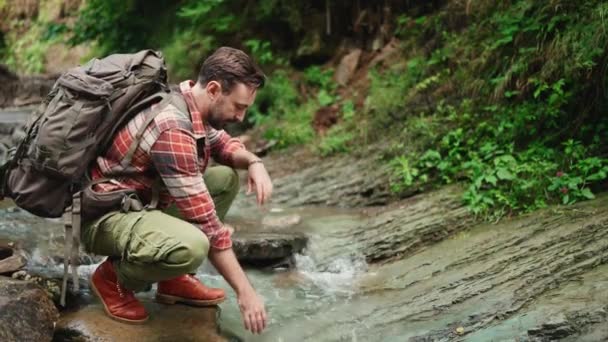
<point>496,282</point>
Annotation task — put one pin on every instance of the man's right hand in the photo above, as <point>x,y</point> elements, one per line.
<point>251,305</point>
<point>253,311</point>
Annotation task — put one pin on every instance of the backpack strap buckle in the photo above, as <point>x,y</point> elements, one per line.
<point>131,202</point>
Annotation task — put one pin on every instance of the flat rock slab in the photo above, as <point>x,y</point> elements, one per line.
<point>281,222</point>
<point>11,260</point>
<point>26,312</point>
<point>262,247</point>
<point>166,323</point>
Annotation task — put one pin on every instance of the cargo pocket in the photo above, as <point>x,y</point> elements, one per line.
<point>150,247</point>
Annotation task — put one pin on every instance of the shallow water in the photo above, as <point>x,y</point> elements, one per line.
<point>493,281</point>
<point>289,294</point>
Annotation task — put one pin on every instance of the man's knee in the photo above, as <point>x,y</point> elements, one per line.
<point>189,255</point>
<point>222,179</point>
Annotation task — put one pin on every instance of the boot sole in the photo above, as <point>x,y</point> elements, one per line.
<point>116,318</point>
<point>168,299</point>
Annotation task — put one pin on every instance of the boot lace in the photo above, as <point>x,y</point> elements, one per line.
<point>123,292</point>
<point>120,290</point>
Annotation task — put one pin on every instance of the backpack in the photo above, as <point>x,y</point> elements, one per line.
<point>47,171</point>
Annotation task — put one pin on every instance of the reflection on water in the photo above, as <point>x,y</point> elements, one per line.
<point>318,280</point>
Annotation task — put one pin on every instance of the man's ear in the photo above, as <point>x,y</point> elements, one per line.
<point>213,88</point>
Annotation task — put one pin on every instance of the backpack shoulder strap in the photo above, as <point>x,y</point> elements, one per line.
<point>151,116</point>
<point>173,98</point>
<point>179,102</point>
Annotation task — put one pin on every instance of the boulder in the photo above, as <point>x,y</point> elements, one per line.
<point>26,312</point>
<point>266,248</point>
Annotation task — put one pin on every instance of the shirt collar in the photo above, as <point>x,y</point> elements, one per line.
<point>197,118</point>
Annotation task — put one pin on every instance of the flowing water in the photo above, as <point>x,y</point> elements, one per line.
<point>289,295</point>
<point>493,282</point>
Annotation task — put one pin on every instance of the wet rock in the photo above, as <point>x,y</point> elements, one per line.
<point>264,248</point>
<point>566,325</point>
<point>557,328</point>
<point>542,275</point>
<point>166,323</point>
<point>403,230</point>
<point>52,287</point>
<point>26,312</point>
<point>11,260</point>
<point>322,182</point>
<point>282,222</point>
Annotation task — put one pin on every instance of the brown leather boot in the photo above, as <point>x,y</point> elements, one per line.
<point>188,289</point>
<point>118,302</point>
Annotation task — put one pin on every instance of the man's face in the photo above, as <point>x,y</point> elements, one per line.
<point>231,107</point>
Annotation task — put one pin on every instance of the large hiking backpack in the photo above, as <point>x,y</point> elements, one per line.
<point>87,105</point>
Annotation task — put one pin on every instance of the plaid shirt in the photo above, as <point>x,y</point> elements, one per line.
<point>169,149</point>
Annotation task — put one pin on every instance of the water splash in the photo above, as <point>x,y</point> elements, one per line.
<point>336,277</point>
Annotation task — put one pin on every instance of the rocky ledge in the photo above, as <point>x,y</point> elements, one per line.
<point>166,323</point>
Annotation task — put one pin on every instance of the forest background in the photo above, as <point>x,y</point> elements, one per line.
<point>507,98</point>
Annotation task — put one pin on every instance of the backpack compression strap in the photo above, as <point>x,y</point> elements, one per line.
<point>72,221</point>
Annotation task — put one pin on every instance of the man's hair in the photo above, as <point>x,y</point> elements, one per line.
<point>229,66</point>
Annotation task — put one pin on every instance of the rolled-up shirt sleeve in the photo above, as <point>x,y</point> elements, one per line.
<point>174,156</point>
<point>223,146</point>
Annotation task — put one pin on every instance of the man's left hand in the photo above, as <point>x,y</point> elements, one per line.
<point>259,180</point>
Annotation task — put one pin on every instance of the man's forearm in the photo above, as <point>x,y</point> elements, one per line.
<point>242,158</point>
<point>226,263</point>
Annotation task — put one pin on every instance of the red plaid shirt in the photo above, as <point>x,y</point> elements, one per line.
<point>169,149</point>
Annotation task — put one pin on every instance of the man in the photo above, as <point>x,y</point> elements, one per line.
<point>166,246</point>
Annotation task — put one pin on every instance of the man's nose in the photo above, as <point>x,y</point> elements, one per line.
<point>240,116</point>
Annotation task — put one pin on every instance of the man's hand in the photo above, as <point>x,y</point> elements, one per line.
<point>259,180</point>
<point>252,307</point>
<point>253,312</point>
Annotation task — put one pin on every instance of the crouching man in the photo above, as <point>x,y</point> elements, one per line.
<point>170,165</point>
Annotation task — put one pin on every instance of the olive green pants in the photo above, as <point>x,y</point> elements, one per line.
<point>150,246</point>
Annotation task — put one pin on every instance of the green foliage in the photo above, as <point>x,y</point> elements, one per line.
<point>182,50</point>
<point>531,133</point>
<point>275,100</point>
<point>26,53</point>
<point>319,78</point>
<point>281,112</point>
<point>262,53</point>
<point>293,127</point>
<point>321,81</point>
<point>509,100</point>
<point>54,31</point>
<point>110,23</point>
<point>500,178</point>
<point>338,138</point>
<point>202,13</point>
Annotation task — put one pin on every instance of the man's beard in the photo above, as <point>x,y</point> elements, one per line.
<point>214,118</point>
